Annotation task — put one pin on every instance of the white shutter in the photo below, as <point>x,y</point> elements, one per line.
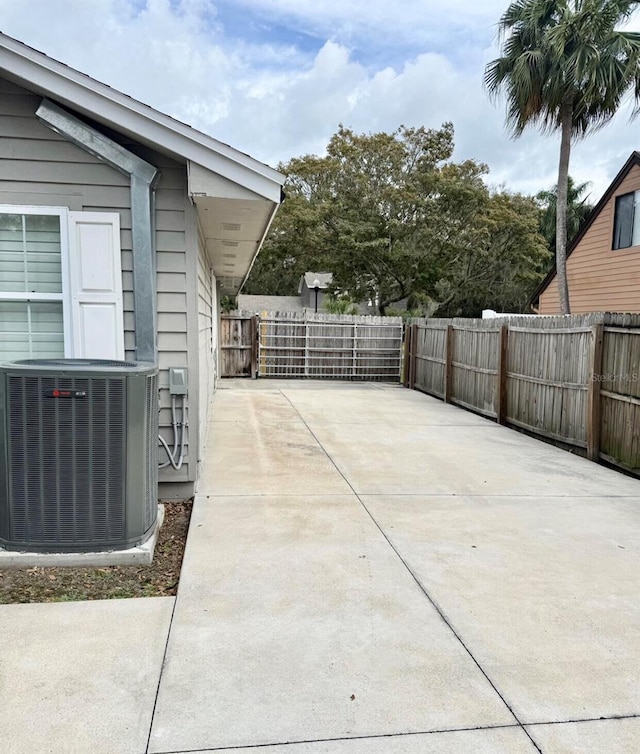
<point>95,290</point>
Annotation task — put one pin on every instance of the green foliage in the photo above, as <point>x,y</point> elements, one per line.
<point>578,209</point>
<point>227,303</point>
<point>507,261</point>
<point>336,303</point>
<point>394,218</point>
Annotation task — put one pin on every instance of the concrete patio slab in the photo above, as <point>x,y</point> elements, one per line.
<point>544,590</point>
<point>488,741</point>
<point>266,458</point>
<point>528,555</point>
<point>610,736</point>
<point>486,459</point>
<point>296,621</point>
<point>80,677</point>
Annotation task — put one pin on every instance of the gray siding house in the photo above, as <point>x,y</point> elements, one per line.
<point>120,229</point>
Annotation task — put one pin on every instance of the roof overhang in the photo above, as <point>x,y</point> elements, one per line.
<point>224,184</point>
<point>233,222</point>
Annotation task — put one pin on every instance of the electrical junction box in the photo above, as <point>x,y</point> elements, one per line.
<point>178,381</point>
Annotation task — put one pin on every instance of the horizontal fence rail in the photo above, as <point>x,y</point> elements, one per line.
<point>574,380</point>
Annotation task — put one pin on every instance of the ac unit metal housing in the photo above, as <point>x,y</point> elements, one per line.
<point>78,454</point>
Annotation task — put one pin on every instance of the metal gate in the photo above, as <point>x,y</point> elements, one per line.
<point>327,346</point>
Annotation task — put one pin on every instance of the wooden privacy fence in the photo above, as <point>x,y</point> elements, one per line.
<point>574,379</point>
<point>298,344</point>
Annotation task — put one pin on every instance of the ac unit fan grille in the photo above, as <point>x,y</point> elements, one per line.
<point>66,460</point>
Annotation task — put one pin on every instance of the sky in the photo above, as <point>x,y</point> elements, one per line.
<point>275,78</point>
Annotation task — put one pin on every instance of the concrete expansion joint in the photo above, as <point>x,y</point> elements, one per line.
<point>404,734</point>
<point>337,739</point>
<point>577,721</point>
<point>160,674</point>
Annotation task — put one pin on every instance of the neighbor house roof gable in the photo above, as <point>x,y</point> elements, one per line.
<point>633,160</point>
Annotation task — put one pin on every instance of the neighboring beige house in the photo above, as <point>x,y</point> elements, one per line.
<point>120,229</point>
<point>603,260</point>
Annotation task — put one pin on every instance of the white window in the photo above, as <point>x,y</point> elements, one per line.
<point>60,284</point>
<point>626,227</point>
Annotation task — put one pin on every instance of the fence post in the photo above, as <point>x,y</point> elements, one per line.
<point>413,354</point>
<point>593,393</point>
<point>407,355</point>
<point>354,355</point>
<point>254,346</point>
<point>448,365</point>
<point>306,347</point>
<point>501,394</point>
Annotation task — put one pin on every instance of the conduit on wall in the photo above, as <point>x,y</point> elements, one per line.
<point>143,177</point>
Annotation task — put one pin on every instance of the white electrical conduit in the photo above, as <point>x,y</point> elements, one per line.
<point>177,444</point>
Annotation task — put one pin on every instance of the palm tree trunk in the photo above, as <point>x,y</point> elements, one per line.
<point>566,122</point>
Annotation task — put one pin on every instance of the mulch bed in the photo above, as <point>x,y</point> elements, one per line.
<point>160,579</point>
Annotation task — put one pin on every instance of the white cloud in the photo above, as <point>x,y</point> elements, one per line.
<point>269,97</point>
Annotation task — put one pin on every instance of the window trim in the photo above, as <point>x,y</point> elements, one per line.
<point>65,296</point>
<point>635,220</point>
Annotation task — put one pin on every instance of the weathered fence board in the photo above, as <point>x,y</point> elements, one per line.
<point>620,397</point>
<point>547,380</point>
<point>475,362</point>
<point>571,379</point>
<point>430,357</point>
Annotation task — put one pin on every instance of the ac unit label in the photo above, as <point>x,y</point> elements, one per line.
<point>67,393</point>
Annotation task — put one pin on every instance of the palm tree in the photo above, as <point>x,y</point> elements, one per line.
<point>565,67</point>
<point>578,209</point>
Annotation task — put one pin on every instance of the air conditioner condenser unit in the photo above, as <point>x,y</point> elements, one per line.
<point>78,455</point>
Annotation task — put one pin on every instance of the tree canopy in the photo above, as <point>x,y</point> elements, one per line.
<point>395,219</point>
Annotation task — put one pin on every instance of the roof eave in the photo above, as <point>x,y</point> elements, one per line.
<point>83,94</point>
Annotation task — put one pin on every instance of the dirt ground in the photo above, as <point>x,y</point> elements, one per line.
<point>160,579</point>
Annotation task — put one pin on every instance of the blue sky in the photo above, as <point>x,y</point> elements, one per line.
<point>274,78</point>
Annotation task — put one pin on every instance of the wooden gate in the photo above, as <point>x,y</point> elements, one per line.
<point>238,345</point>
